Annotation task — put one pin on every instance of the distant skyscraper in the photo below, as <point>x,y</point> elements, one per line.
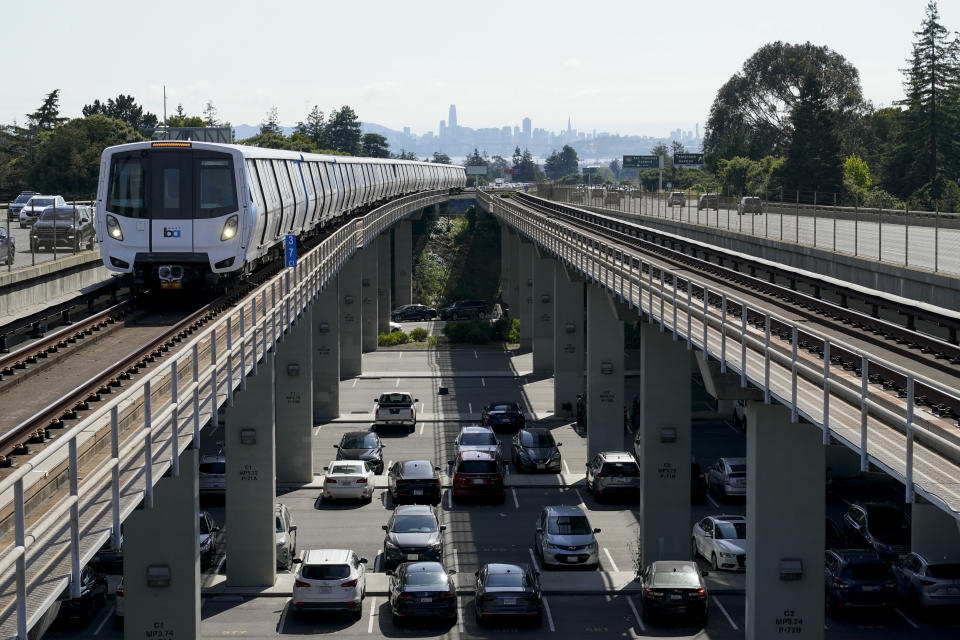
<point>569,129</point>
<point>453,117</point>
<point>698,130</point>
<point>527,128</point>
<point>406,131</point>
<point>443,128</point>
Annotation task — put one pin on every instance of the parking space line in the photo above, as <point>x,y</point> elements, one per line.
<point>732,428</point>
<point>400,355</point>
<point>459,614</point>
<point>516,503</point>
<point>373,613</point>
<point>398,383</point>
<point>483,382</point>
<point>475,356</point>
<point>610,558</point>
<point>565,467</point>
<point>422,425</point>
<point>904,616</point>
<point>103,622</point>
<point>636,615</point>
<point>712,501</point>
<point>449,499</point>
<point>579,497</point>
<point>533,558</point>
<point>469,407</point>
<point>724,612</point>
<point>546,608</point>
<point>354,383</point>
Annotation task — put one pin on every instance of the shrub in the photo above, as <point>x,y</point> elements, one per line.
<point>472,332</point>
<point>392,339</point>
<point>506,329</point>
<point>419,334</point>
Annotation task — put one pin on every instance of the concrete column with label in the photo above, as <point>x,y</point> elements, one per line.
<point>350,284</point>
<point>369,286</point>
<point>543,313</point>
<point>526,255</point>
<point>513,249</point>
<point>250,442</point>
<point>294,394</point>
<point>663,444</point>
<point>403,262</point>
<point>604,359</point>
<point>785,537</point>
<point>326,353</point>
<point>506,277</point>
<point>383,283</point>
<point>568,344</point>
<point>161,559</point>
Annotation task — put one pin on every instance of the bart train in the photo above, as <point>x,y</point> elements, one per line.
<point>176,213</point>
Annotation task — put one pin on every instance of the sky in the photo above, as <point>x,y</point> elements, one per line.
<point>637,67</point>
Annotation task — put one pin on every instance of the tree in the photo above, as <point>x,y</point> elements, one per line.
<point>813,158</point>
<point>124,108</point>
<point>343,131</point>
<point>931,122</point>
<point>441,158</point>
<point>375,145</point>
<point>525,169</point>
<point>181,119</point>
<point>47,117</point>
<point>561,164</point>
<point>272,123</point>
<point>856,172</point>
<point>68,158</point>
<point>210,115</point>
<point>615,168</point>
<point>404,155</point>
<point>314,127</point>
<point>751,114</point>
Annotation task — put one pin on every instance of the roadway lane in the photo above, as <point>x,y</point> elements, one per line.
<point>22,237</point>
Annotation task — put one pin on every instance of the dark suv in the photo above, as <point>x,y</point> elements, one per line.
<point>63,227</point>
<point>464,310</point>
<point>13,211</point>
<point>880,527</point>
<point>854,579</point>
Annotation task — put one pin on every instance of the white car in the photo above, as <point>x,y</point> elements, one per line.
<point>348,479</point>
<point>722,540</point>
<point>286,536</point>
<point>35,207</point>
<point>477,438</point>
<point>329,580</point>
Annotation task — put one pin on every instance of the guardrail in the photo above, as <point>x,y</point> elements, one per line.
<point>886,430</point>
<point>101,468</point>
<point>917,239</point>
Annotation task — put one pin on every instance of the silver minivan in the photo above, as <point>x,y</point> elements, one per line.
<point>564,537</point>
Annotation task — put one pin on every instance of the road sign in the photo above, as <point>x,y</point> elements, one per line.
<point>477,170</point>
<point>590,170</point>
<point>688,159</point>
<point>290,250</point>
<point>642,162</point>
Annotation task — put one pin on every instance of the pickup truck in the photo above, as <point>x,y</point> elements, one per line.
<point>395,408</point>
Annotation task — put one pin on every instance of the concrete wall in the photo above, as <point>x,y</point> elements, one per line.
<point>47,282</point>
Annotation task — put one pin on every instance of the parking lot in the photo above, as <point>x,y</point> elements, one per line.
<point>482,532</point>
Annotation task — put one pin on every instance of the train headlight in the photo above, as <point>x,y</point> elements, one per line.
<point>229,229</point>
<point>113,228</point>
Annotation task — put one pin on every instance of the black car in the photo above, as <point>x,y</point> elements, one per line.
<point>13,211</point>
<point>71,228</point>
<point>881,527</point>
<point>507,591</point>
<point>422,590</point>
<point>698,483</point>
<point>361,445</point>
<point>109,559</point>
<point>464,310</point>
<point>413,313</point>
<point>674,588</point>
<point>502,414</point>
<point>535,450</point>
<point>856,579</point>
<point>8,247</point>
<point>93,597</point>
<point>415,481</point>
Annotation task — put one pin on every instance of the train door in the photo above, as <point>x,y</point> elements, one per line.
<point>171,222</point>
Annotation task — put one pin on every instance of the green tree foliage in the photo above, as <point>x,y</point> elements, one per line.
<point>210,115</point>
<point>271,125</point>
<point>343,131</point>
<point>813,157</point>
<point>856,172</point>
<point>751,115</point>
<point>47,117</point>
<point>375,145</point>
<point>124,108</point>
<point>404,155</point>
<point>181,119</point>
<point>68,158</point>
<point>561,164</point>
<point>615,168</point>
<point>440,158</point>
<point>314,127</point>
<point>525,169</point>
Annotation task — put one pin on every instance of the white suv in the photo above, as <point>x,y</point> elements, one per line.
<point>329,580</point>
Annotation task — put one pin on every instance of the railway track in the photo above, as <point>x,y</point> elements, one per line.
<point>781,289</point>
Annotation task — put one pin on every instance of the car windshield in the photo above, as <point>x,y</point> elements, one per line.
<point>213,467</point>
<point>869,571</point>
<point>395,398</point>
<point>414,524</point>
<point>325,571</point>
<point>60,215</point>
<point>738,468</point>
<point>536,440</point>
<point>504,407</point>
<point>280,527</point>
<point>888,520</point>
<point>477,466</point>
<point>477,439</point>
<point>41,202</point>
<point>685,578</point>
<point>944,571</point>
<point>730,531</point>
<point>426,579</point>
<point>513,579</point>
<point>568,525</point>
<point>346,469</point>
<point>22,199</point>
<point>366,441</point>
<point>205,526</point>
<point>621,469</point>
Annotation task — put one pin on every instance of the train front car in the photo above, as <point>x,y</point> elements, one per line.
<point>171,213</point>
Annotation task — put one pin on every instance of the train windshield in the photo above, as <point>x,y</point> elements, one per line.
<point>172,184</point>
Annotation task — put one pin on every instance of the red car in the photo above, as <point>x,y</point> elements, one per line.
<point>478,474</point>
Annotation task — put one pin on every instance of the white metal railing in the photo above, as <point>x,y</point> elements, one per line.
<point>884,428</point>
<point>99,469</point>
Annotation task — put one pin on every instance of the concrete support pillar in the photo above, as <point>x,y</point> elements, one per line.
<point>368,307</point>
<point>935,534</point>
<point>543,312</point>
<point>403,262</point>
<point>513,250</point>
<point>351,316</point>
<point>525,294</point>
<point>506,277</point>
<point>383,283</point>
<point>784,533</point>
<point>663,445</point>
<point>568,344</point>
<point>326,353</point>
<point>294,408</point>
<point>604,374</point>
<point>250,441</point>
<point>165,536</point>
